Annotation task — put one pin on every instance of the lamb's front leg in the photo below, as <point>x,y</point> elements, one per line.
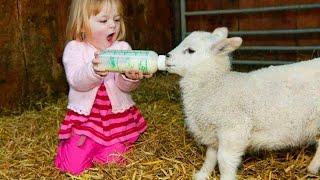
<point>231,148</point>
<point>208,165</point>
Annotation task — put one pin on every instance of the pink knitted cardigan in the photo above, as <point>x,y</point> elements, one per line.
<point>84,82</point>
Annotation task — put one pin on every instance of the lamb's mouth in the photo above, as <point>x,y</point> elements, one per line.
<point>170,67</point>
<point>168,64</point>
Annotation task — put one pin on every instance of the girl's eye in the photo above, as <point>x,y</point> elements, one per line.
<point>189,51</point>
<point>103,21</point>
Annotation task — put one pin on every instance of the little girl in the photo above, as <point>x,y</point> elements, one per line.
<point>102,121</point>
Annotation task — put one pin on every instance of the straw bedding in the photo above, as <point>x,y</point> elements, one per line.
<point>165,151</point>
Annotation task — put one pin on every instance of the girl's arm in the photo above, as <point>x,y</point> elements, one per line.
<point>80,74</point>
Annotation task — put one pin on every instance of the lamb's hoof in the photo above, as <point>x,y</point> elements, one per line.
<point>201,176</point>
<point>313,169</point>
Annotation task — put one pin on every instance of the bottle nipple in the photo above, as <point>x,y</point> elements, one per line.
<point>162,62</point>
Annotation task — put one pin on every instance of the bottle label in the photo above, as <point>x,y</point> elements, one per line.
<point>125,60</point>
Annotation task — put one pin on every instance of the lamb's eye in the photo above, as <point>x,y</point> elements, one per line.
<point>189,51</point>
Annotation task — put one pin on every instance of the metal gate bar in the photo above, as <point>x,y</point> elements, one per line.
<point>273,32</point>
<point>279,48</point>
<point>184,32</point>
<point>254,10</point>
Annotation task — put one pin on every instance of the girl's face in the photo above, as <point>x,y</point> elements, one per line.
<point>105,27</point>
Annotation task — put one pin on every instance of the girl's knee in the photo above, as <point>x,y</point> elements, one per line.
<point>73,158</point>
<point>73,167</point>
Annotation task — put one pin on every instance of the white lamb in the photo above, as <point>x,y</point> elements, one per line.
<point>229,112</point>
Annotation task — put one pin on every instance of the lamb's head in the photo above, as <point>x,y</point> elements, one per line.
<point>202,51</point>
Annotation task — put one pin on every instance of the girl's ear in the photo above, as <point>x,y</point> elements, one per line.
<point>226,46</point>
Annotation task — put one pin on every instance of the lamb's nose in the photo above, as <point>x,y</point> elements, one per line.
<point>168,55</point>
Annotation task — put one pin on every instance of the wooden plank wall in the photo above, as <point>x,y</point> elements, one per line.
<point>260,21</point>
<point>32,40</point>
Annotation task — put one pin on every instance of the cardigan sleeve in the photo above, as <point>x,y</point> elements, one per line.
<point>125,84</point>
<point>79,72</point>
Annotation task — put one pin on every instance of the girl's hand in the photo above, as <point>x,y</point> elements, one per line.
<point>81,141</point>
<point>96,62</point>
<point>134,75</point>
<point>147,75</point>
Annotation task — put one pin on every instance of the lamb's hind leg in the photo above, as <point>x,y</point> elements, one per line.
<point>315,162</point>
<point>208,165</point>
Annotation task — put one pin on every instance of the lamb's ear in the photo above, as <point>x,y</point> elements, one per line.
<point>221,32</point>
<point>226,46</point>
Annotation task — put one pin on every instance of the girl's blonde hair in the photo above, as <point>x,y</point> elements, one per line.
<point>78,27</point>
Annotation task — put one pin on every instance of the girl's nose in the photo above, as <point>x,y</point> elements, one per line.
<point>111,24</point>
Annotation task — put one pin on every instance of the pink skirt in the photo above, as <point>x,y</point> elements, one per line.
<point>108,135</point>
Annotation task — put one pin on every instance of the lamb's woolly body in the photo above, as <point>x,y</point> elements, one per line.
<point>270,108</point>
<point>280,105</point>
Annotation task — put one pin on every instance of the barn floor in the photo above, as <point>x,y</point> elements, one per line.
<point>165,151</point>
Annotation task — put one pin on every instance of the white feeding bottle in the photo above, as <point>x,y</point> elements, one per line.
<point>125,60</point>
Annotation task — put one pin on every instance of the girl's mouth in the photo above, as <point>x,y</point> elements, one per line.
<point>110,37</point>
